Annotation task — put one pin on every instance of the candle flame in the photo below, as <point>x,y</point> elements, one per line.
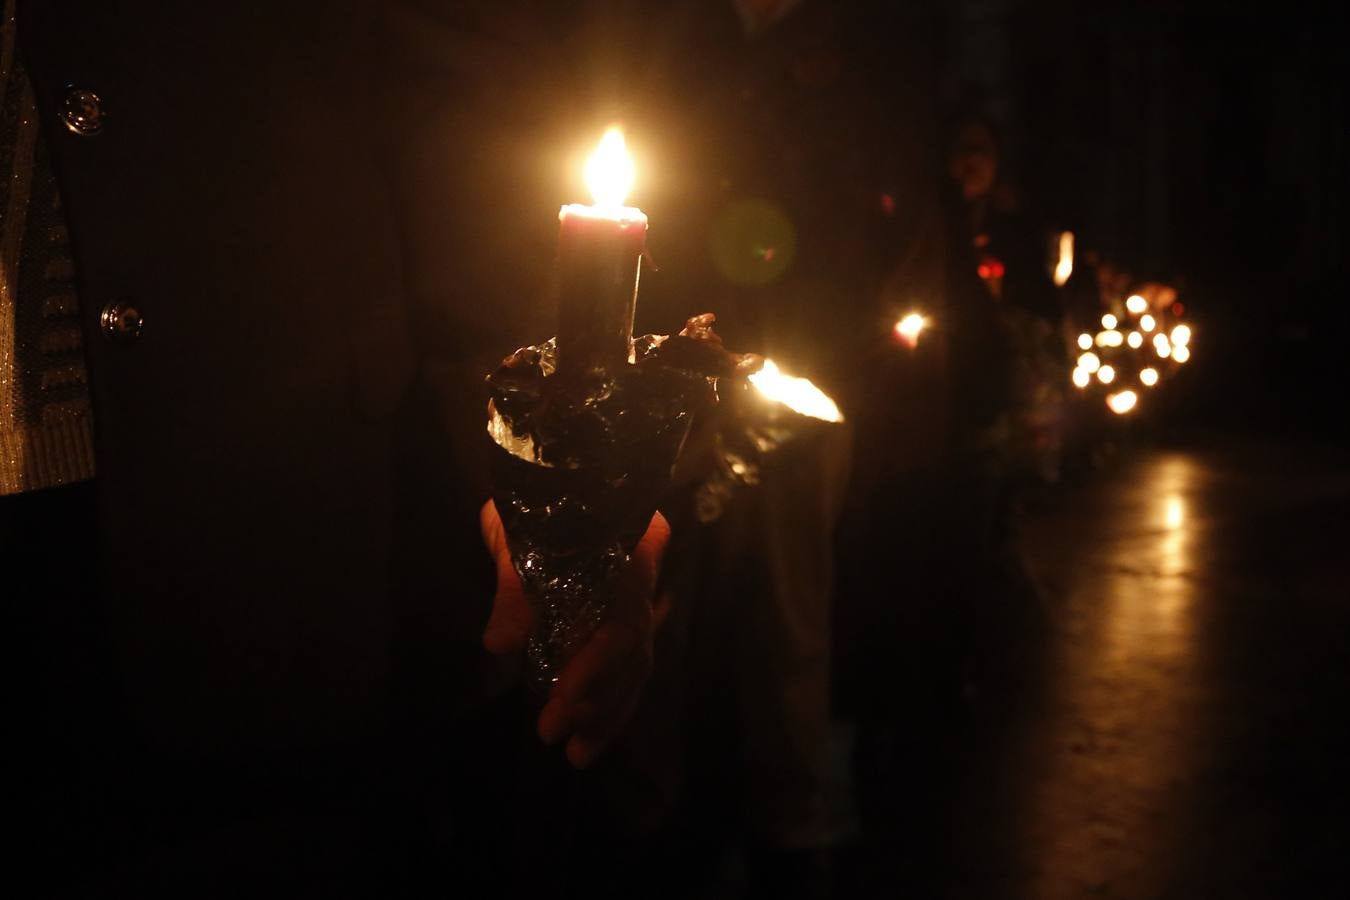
<point>1064,268</point>
<point>797,394</point>
<point>1136,304</point>
<point>908,328</point>
<point>609,171</point>
<point>1110,338</point>
<point>1122,402</point>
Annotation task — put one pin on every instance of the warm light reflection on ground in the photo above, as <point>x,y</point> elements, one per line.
<point>1176,510</point>
<point>1123,690</point>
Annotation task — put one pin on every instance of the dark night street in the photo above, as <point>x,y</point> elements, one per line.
<point>1185,736</point>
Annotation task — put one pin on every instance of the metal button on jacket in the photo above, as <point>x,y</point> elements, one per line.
<point>122,321</point>
<point>82,112</point>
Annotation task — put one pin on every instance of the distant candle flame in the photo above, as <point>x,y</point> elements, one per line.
<point>1136,304</point>
<point>1089,362</point>
<point>908,328</point>
<point>1181,353</point>
<point>1064,268</point>
<point>1135,340</point>
<point>797,394</point>
<point>1109,321</point>
<point>1122,402</point>
<point>609,171</point>
<point>1148,376</point>
<point>1146,322</point>
<point>1085,342</point>
<point>1106,374</point>
<point>1110,339</point>
<point>1181,335</point>
<point>1081,377</point>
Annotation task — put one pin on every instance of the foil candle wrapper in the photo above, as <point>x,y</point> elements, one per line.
<point>570,531</point>
<point>579,466</point>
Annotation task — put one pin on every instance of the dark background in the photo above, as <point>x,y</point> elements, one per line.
<point>1197,143</point>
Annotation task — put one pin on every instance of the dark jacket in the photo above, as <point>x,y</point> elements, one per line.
<point>288,563</point>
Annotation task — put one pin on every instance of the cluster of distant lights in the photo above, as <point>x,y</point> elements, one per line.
<point>1173,345</point>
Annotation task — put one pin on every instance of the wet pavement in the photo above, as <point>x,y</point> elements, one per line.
<point>1171,717</point>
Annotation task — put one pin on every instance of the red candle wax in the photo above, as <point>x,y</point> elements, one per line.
<point>599,261</point>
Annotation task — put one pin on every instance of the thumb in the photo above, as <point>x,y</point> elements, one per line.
<point>509,622</point>
<point>634,600</point>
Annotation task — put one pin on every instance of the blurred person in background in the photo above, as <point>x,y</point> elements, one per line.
<point>1008,247</point>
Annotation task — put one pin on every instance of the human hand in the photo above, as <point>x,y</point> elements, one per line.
<point>598,689</point>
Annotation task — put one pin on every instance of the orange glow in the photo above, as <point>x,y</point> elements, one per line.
<point>1064,268</point>
<point>1122,402</point>
<point>797,394</point>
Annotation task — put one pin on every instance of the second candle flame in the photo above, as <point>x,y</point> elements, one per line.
<point>797,394</point>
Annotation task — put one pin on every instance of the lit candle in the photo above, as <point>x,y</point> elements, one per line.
<point>1063,270</point>
<point>599,260</point>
